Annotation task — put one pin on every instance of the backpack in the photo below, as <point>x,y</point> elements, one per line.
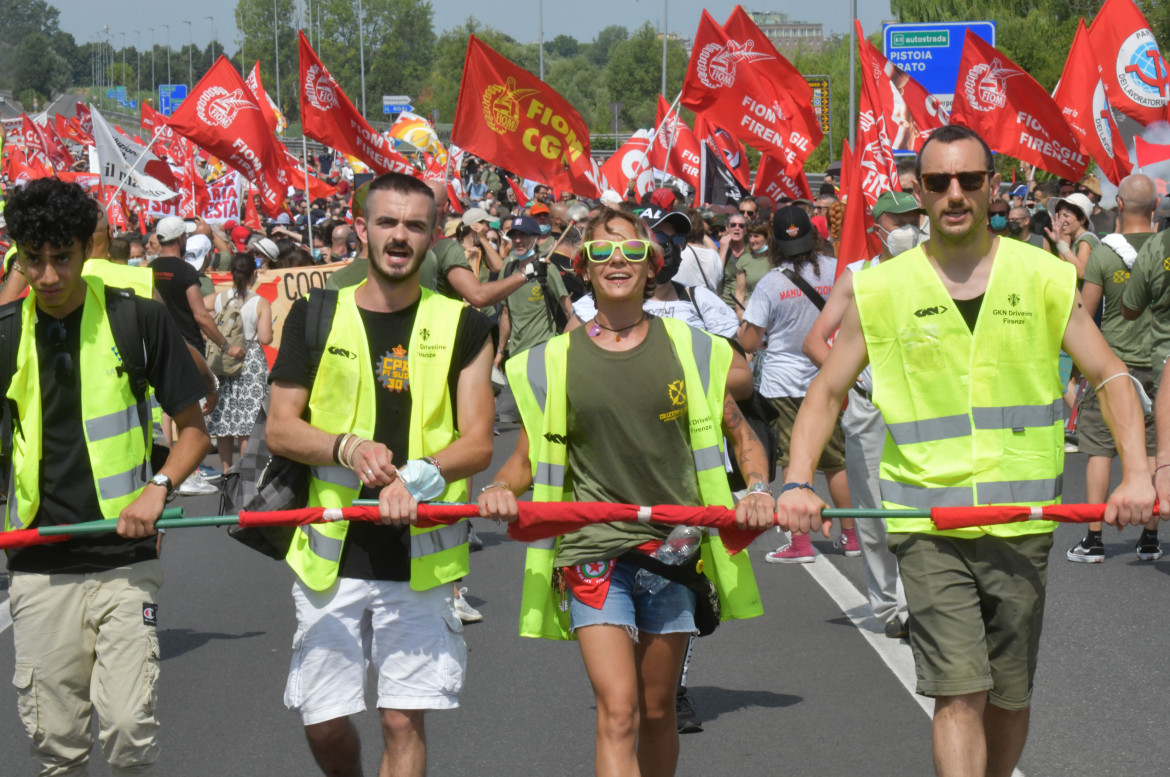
<point>123,317</point>
<point>260,481</point>
<point>230,322</point>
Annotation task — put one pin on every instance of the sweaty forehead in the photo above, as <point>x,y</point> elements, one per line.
<point>961,156</point>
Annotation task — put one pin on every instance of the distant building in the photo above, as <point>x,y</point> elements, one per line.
<point>787,35</point>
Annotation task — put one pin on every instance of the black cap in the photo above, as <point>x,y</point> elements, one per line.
<point>525,225</point>
<point>792,230</point>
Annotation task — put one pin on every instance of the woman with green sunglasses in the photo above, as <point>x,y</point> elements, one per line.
<point>617,412</point>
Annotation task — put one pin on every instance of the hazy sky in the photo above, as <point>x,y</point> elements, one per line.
<point>85,19</point>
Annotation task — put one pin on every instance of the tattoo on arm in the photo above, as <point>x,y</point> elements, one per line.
<point>732,416</point>
<point>749,449</point>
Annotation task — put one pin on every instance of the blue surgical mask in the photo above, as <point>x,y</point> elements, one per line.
<point>999,222</point>
<point>545,229</point>
<point>316,254</point>
<point>258,260</point>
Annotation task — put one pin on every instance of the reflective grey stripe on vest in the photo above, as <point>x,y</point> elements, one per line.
<point>1015,491</point>
<point>439,540</point>
<point>708,458</point>
<point>154,403</point>
<point>931,429</point>
<point>537,375</point>
<point>327,548</point>
<point>551,475</point>
<point>124,483</point>
<point>13,509</point>
<point>112,424</point>
<point>338,476</point>
<point>1019,417</point>
<point>923,498</point>
<point>701,348</point>
<point>545,544</point>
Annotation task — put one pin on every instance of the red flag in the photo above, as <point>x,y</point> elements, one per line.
<point>858,240</point>
<point>256,85</point>
<point>1150,153</point>
<point>329,117</point>
<point>83,119</point>
<point>115,207</point>
<point>675,148</point>
<point>67,129</point>
<point>223,117</point>
<point>1081,96</point>
<point>727,147</point>
<point>54,146</point>
<point>20,169</point>
<point>1013,113</point>
<point>453,201</point>
<point>911,112</point>
<point>34,143</point>
<point>742,84</point>
<point>251,215</point>
<point>511,118</point>
<point>1132,69</point>
<point>317,187</point>
<point>521,197</point>
<point>628,164</point>
<point>789,88</point>
<point>876,154</point>
<point>772,181</point>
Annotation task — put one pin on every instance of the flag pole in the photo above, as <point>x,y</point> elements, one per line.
<point>654,138</point>
<point>308,200</point>
<point>122,185</point>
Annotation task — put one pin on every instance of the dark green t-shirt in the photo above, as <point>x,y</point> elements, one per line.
<point>628,439</point>
<point>448,255</point>
<point>532,321</point>
<point>753,266</point>
<point>1130,340</point>
<point>1149,287</point>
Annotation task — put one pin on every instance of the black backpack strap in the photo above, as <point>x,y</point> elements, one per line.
<point>9,345</point>
<point>802,284</point>
<point>122,312</point>
<point>318,322</point>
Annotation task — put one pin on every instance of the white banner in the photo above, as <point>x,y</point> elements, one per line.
<point>126,164</point>
<point>224,203</point>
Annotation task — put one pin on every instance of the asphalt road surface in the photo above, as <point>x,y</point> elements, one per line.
<point>811,688</point>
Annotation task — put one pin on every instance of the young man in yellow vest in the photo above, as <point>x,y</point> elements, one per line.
<point>963,334</point>
<point>398,409</point>
<point>85,611</point>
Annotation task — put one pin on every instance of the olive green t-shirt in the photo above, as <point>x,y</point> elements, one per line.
<point>628,439</point>
<point>448,255</point>
<point>351,275</point>
<point>532,321</point>
<point>754,266</point>
<point>727,292</point>
<point>1149,287</point>
<point>1130,340</point>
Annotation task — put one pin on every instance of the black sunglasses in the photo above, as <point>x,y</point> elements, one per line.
<point>970,181</point>
<point>662,239</point>
<point>62,359</point>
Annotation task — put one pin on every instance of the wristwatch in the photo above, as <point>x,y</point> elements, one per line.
<point>164,481</point>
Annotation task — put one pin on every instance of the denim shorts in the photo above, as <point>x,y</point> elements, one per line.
<point>670,611</point>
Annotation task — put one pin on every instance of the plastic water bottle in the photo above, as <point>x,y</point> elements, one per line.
<point>680,545</point>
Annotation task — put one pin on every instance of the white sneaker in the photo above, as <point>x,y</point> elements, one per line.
<point>196,485</point>
<point>465,611</point>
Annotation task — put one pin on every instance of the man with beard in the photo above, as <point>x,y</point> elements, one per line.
<point>399,409</point>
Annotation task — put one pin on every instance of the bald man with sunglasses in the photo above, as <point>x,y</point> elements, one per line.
<point>963,334</point>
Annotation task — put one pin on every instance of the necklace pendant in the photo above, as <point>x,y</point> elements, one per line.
<point>594,330</point>
<point>618,339</point>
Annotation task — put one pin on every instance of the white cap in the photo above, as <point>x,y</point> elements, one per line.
<point>266,247</point>
<point>611,198</point>
<point>170,228</point>
<point>1077,201</point>
<point>197,248</point>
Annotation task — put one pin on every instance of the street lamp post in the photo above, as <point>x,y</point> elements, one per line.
<point>168,52</point>
<point>125,86</point>
<point>138,67</point>
<point>190,67</point>
<point>276,41</point>
<point>852,75</point>
<point>212,20</point>
<point>664,48</point>
<point>362,53</point>
<point>540,17</point>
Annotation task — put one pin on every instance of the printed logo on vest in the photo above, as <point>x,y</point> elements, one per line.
<point>677,391</point>
<point>1013,299</point>
<point>937,310</point>
<point>339,351</point>
<point>556,439</point>
<point>150,614</point>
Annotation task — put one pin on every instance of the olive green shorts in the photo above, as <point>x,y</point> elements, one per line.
<point>1094,437</point>
<point>976,609</point>
<point>832,457</point>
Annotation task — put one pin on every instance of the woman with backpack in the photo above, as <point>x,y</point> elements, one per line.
<point>243,394</point>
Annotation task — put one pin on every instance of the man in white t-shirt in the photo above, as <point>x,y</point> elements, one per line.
<point>896,215</point>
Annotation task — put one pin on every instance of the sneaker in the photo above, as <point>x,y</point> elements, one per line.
<point>1148,548</point>
<point>799,551</point>
<point>1070,442</point>
<point>847,542</point>
<point>465,611</point>
<point>210,474</point>
<point>474,543</point>
<point>195,485</point>
<point>896,629</point>
<point>1087,552</point>
<point>684,714</point>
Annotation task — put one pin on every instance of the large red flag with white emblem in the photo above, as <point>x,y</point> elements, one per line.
<point>328,116</point>
<point>629,164</point>
<point>674,147</point>
<point>773,181</point>
<point>222,116</point>
<point>1132,68</point>
<point>511,118</point>
<point>1013,113</point>
<point>1081,96</point>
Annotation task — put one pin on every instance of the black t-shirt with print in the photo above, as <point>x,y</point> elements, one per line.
<point>68,493</point>
<point>374,551</point>
<point>172,277</point>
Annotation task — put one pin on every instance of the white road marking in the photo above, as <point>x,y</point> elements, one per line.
<point>855,606</point>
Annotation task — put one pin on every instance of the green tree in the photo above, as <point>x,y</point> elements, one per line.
<point>564,46</point>
<point>633,75</point>
<point>605,40</point>
<point>37,68</point>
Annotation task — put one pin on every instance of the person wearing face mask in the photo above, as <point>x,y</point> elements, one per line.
<point>541,213</point>
<point>896,215</point>
<point>1020,227</point>
<point>997,218</point>
<point>755,264</point>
